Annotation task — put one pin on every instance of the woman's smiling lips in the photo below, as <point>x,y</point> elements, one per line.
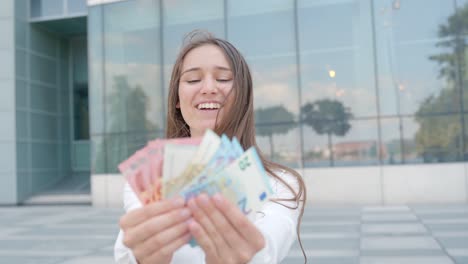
<point>209,106</point>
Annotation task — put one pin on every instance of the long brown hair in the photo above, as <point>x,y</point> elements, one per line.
<point>238,119</point>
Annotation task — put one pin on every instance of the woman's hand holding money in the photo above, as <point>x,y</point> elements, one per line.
<point>223,232</point>
<point>155,231</point>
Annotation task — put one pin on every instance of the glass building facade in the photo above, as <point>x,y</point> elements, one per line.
<point>336,83</point>
<point>369,88</point>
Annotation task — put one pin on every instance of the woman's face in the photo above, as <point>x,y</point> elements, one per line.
<point>205,82</point>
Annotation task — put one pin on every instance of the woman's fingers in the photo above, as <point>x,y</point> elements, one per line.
<point>165,253</point>
<point>155,225</point>
<point>139,215</point>
<point>203,239</point>
<point>240,222</point>
<point>209,228</point>
<point>159,241</point>
<point>222,225</point>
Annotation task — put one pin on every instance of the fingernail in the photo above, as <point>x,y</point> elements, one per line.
<point>185,212</point>
<point>191,204</point>
<point>179,201</point>
<point>218,198</point>
<point>203,199</point>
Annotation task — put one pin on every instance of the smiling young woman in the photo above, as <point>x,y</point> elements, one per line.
<point>211,88</point>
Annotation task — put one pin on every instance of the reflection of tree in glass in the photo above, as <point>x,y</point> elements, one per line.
<point>127,115</point>
<point>439,138</point>
<point>274,115</point>
<point>329,117</point>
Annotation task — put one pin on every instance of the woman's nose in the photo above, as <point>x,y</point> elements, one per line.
<point>209,86</point>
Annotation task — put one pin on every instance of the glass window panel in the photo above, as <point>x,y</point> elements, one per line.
<point>436,138</point>
<point>275,85</point>
<point>409,57</point>
<point>132,67</point>
<point>43,69</point>
<point>44,8</point>
<point>44,155</point>
<point>43,98</point>
<point>76,6</point>
<point>98,154</point>
<point>280,143</point>
<point>399,17</point>
<point>182,17</point>
<point>22,156</point>
<point>20,63</point>
<point>80,88</point>
<point>336,54</point>
<point>22,125</point>
<point>398,144</point>
<point>272,61</point>
<point>21,94</point>
<point>357,147</point>
<point>45,127</point>
<point>42,41</point>
<point>277,21</point>
<point>96,67</point>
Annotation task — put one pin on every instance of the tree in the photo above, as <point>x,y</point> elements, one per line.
<point>441,138</point>
<point>126,115</point>
<point>329,117</point>
<point>271,117</point>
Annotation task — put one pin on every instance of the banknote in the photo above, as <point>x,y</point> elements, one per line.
<point>244,182</point>
<point>143,170</point>
<point>224,155</point>
<point>207,148</point>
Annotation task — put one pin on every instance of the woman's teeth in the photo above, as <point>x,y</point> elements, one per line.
<point>209,106</point>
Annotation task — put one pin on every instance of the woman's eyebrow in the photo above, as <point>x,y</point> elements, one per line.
<point>190,69</point>
<point>222,68</point>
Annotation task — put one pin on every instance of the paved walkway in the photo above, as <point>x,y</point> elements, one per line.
<point>365,235</point>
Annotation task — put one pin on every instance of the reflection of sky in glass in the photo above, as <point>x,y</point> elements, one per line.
<point>333,35</point>
<point>189,12</point>
<point>272,35</point>
<point>132,50</point>
<point>275,83</point>
<point>404,45</point>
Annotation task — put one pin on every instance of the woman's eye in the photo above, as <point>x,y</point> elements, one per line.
<point>224,80</point>
<point>192,81</point>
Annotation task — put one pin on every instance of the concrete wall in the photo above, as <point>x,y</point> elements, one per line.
<point>386,185</point>
<point>389,185</point>
<point>42,105</point>
<point>8,194</point>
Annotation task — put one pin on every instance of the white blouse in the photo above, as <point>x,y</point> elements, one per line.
<point>276,222</point>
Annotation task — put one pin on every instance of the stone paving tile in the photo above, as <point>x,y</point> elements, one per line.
<point>53,244</point>
<point>403,252</point>
<point>406,260</point>
<point>89,260</point>
<point>447,227</point>
<point>324,243</point>
<point>400,242</point>
<point>453,242</point>
<point>30,260</point>
<point>461,260</point>
<point>322,260</point>
<point>331,235</point>
<point>393,217</point>
<point>398,228</point>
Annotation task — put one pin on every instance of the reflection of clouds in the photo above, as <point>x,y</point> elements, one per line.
<point>275,85</point>
<point>272,94</point>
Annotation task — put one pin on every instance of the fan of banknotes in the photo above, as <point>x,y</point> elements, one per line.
<point>186,167</point>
